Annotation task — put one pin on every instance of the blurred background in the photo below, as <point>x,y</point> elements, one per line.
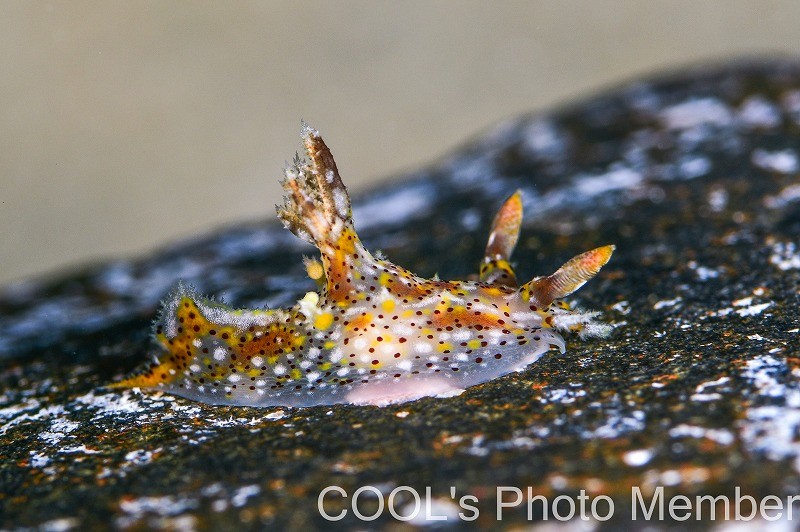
<point>125,125</point>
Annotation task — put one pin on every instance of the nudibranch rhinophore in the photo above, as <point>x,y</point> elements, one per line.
<point>375,333</point>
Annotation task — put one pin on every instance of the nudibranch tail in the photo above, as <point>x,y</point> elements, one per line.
<point>203,341</point>
<point>568,278</point>
<point>375,333</point>
<point>496,268</point>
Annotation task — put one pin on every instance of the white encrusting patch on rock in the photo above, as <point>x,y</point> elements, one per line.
<point>787,195</point>
<point>619,178</point>
<point>771,424</point>
<point>757,111</point>
<point>696,112</point>
<point>780,161</point>
<point>397,207</point>
<point>785,256</point>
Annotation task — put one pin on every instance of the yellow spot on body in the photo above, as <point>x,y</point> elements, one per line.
<point>296,374</point>
<point>474,344</point>
<point>388,305</point>
<point>445,347</point>
<point>347,245</point>
<point>323,321</point>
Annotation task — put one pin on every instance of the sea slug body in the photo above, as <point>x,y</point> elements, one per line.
<point>375,333</point>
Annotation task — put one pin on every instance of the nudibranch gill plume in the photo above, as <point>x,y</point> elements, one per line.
<point>375,333</point>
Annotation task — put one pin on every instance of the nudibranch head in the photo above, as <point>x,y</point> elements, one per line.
<point>375,333</point>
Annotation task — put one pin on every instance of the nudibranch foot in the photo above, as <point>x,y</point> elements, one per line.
<point>375,333</point>
<point>386,392</point>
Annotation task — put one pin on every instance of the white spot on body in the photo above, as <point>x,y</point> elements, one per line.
<point>388,348</point>
<point>340,201</point>
<point>309,306</point>
<point>336,354</point>
<point>423,347</point>
<point>402,330</point>
<point>462,335</point>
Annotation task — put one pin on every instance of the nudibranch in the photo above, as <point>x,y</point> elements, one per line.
<point>375,333</point>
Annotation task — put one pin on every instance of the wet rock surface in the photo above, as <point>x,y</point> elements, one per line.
<point>693,176</point>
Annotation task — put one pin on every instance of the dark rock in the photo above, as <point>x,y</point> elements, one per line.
<point>693,177</point>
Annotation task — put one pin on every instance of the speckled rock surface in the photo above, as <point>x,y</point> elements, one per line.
<point>693,176</point>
